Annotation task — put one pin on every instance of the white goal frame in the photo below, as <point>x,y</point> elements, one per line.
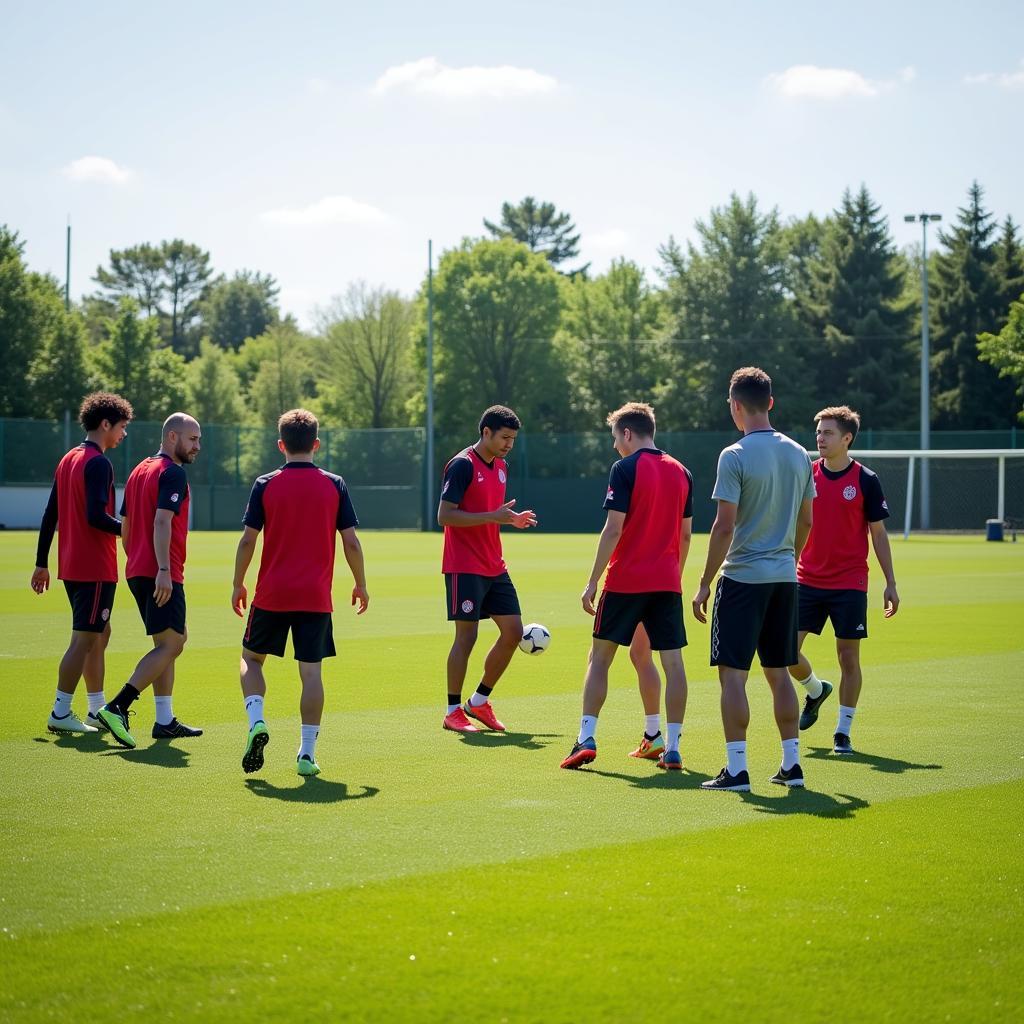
<point>912,455</point>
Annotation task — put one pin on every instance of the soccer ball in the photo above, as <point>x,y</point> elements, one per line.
<point>535,638</point>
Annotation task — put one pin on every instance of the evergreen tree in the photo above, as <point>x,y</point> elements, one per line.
<point>1009,265</point>
<point>541,228</point>
<point>59,375</point>
<point>967,300</point>
<point>239,308</point>
<point>212,386</point>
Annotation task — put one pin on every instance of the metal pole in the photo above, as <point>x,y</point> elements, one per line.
<point>428,522</point>
<point>1001,498</point>
<point>925,380</point>
<point>67,269</point>
<point>910,498</point>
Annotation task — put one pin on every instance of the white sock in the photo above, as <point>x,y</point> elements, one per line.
<point>675,730</point>
<point>96,701</point>
<point>845,719</point>
<point>790,753</point>
<point>736,752</point>
<point>62,704</point>
<point>588,728</point>
<point>308,746</point>
<point>812,684</point>
<point>652,725</point>
<point>164,714</point>
<point>478,698</point>
<point>254,709</point>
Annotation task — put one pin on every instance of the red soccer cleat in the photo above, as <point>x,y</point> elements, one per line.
<point>458,722</point>
<point>581,754</point>
<point>484,713</point>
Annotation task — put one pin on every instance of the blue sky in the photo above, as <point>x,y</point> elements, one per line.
<point>326,142</point>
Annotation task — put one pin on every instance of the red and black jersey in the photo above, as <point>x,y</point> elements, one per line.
<point>656,493</point>
<point>155,483</point>
<point>81,509</point>
<point>835,556</point>
<point>300,508</point>
<point>474,486</point>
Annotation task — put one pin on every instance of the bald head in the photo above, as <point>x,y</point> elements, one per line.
<point>181,437</point>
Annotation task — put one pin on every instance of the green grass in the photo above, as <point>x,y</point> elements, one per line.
<point>427,877</point>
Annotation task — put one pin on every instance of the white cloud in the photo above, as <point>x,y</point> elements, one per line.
<point>329,210</point>
<point>318,86</point>
<point>1004,79</point>
<point>429,77</point>
<point>96,168</point>
<point>611,240</point>
<point>808,81</point>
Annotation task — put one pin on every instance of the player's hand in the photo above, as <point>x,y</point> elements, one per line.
<point>504,514</point>
<point>239,599</point>
<point>524,520</point>
<point>587,598</point>
<point>163,588</point>
<point>40,580</point>
<point>890,601</point>
<point>700,603</point>
<point>360,594</point>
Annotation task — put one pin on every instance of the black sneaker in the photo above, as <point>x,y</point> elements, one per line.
<point>174,730</point>
<point>733,783</point>
<point>841,744</point>
<point>793,777</point>
<point>809,715</point>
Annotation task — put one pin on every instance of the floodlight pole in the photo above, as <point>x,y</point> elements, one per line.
<point>67,268</point>
<point>429,520</point>
<point>925,428</point>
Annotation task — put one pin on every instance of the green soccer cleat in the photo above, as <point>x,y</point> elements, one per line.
<point>117,722</point>
<point>252,759</point>
<point>809,715</point>
<point>306,766</point>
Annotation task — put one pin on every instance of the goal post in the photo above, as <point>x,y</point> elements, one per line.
<point>968,485</point>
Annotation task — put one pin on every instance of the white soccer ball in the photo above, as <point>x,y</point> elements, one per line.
<point>535,638</point>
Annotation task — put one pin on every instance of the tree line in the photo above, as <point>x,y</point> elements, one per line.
<point>829,306</point>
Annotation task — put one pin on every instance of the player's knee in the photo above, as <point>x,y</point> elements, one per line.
<point>849,658</point>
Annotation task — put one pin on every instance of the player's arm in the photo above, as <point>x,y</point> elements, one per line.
<point>610,535</point>
<point>883,552</point>
<point>99,479</point>
<point>449,514</point>
<point>354,556</point>
<point>243,559</point>
<point>124,533</point>
<point>804,521</point>
<point>685,535</point>
<point>162,549</point>
<point>718,547</point>
<point>41,574</point>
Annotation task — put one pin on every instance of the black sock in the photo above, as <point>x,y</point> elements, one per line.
<point>126,696</point>
<point>647,736</point>
<point>454,698</point>
<point>484,691</point>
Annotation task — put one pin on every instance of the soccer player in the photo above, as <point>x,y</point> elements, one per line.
<point>833,567</point>
<point>764,490</point>
<point>154,516</point>
<point>299,508</point>
<point>81,510</point>
<point>472,511</point>
<point>643,545</point>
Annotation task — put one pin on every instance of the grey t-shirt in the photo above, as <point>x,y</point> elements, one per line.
<point>766,475</point>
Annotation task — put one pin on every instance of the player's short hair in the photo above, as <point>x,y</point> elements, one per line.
<point>635,416</point>
<point>848,420</point>
<point>298,429</point>
<point>499,417</point>
<point>752,388</point>
<point>104,405</point>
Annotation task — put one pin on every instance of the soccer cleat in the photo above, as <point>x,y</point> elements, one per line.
<point>841,744</point>
<point>307,767</point>
<point>458,722</point>
<point>97,723</point>
<point>809,715</point>
<point>174,730</point>
<point>672,760</point>
<point>252,759</point>
<point>68,725</point>
<point>484,713</point>
<point>739,783</point>
<point>581,754</point>
<point>117,722</point>
<point>650,750</point>
<point>791,777</point>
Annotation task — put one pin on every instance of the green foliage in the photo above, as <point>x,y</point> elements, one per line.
<point>212,387</point>
<point>276,369</point>
<point>541,228</point>
<point>59,374</point>
<point>1005,350</point>
<point>241,307</point>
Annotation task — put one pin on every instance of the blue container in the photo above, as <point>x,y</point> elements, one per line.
<point>993,529</point>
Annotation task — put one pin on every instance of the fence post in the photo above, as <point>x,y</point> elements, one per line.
<point>210,476</point>
<point>3,449</point>
<point>910,498</point>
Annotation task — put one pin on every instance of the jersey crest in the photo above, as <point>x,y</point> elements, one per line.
<point>849,492</point>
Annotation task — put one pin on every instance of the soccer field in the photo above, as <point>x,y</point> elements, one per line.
<point>432,877</point>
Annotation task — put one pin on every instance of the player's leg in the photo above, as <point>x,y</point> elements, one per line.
<point>464,593</point>
<point>663,621</point>
<point>313,638</point>
<point>166,726</point>
<point>777,648</point>
<point>62,718</point>
<point>849,613</point>
<point>595,692</point>
<point>812,613</point>
<point>94,674</point>
<point>478,707</point>
<point>649,682</point>
<point>254,691</point>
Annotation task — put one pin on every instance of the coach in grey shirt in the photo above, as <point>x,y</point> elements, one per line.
<point>765,491</point>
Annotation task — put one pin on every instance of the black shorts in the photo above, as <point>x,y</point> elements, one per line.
<point>660,611</point>
<point>472,598</point>
<point>749,617</point>
<point>156,620</point>
<point>312,634</point>
<point>848,610</point>
<point>91,605</point>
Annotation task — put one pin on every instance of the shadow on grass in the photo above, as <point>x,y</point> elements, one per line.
<point>161,754</point>
<point>523,740</point>
<point>312,790</point>
<point>887,765</point>
<point>658,779</point>
<point>806,801</point>
<point>89,742</point>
